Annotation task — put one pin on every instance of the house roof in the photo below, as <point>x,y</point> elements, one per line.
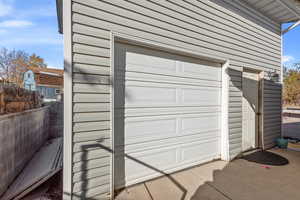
<point>55,72</point>
<point>47,76</point>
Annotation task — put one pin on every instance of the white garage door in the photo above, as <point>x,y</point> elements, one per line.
<point>167,113</point>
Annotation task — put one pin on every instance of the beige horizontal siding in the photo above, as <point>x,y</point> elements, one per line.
<point>92,193</point>
<point>91,107</point>
<point>90,117</point>
<point>235,111</point>
<point>91,69</point>
<point>91,164</point>
<point>91,135</point>
<point>92,173</point>
<point>91,126</point>
<point>91,78</point>
<point>91,88</point>
<point>163,20</point>
<point>128,26</point>
<point>89,98</point>
<point>91,50</point>
<point>90,154</point>
<point>272,113</point>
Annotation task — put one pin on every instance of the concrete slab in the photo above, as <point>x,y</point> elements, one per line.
<point>237,180</point>
<point>243,180</point>
<point>133,193</point>
<point>166,188</point>
<point>205,172</point>
<point>207,192</point>
<point>291,126</point>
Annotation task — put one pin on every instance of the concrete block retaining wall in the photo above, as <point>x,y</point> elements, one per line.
<point>21,135</point>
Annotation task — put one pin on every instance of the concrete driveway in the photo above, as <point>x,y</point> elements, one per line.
<point>291,124</point>
<point>273,178</point>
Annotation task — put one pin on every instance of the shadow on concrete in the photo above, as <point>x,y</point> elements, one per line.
<point>243,180</point>
<point>266,158</point>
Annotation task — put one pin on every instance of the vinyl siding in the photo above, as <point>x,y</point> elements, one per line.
<point>272,109</point>
<point>91,112</point>
<point>235,111</point>
<point>200,26</point>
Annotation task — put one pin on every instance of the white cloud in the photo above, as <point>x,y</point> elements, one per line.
<point>5,8</point>
<point>287,59</point>
<point>15,23</point>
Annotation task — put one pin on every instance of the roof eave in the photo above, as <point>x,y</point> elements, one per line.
<point>293,7</point>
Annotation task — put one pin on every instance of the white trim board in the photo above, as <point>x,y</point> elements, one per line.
<point>68,90</point>
<point>112,49</point>
<point>225,106</point>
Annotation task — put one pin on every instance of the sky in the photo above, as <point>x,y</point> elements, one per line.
<point>291,46</point>
<point>31,25</point>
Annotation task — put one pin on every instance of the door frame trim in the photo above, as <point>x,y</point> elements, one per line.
<point>133,40</point>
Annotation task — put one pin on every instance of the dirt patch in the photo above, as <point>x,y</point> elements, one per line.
<point>50,190</point>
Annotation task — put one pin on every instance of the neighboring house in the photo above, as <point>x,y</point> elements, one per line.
<point>153,87</point>
<point>29,82</point>
<point>48,82</point>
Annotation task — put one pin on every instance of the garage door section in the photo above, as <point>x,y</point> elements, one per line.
<point>167,113</point>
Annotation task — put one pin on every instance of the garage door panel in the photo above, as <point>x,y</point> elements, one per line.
<point>200,123</point>
<point>136,167</point>
<point>167,112</point>
<point>145,56</point>
<point>170,110</point>
<point>137,146</point>
<point>179,69</point>
<point>147,129</point>
<point>153,163</point>
<point>198,151</point>
<point>151,59</point>
<point>171,94</point>
<point>154,78</point>
<point>204,96</point>
<point>150,162</point>
<point>193,70</point>
<point>144,95</point>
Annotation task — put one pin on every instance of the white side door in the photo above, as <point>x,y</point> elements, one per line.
<point>250,110</point>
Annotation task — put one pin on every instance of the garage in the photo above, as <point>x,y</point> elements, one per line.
<point>167,113</point>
